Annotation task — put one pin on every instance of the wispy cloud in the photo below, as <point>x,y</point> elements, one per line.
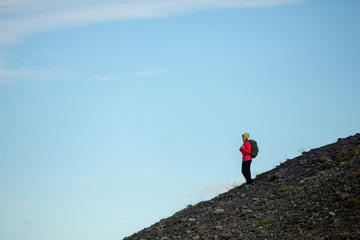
<point>213,189</point>
<point>19,18</point>
<point>83,181</point>
<point>151,73</point>
<point>79,181</point>
<point>29,223</point>
<point>31,75</point>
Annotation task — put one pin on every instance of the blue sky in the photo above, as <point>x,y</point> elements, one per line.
<point>115,114</point>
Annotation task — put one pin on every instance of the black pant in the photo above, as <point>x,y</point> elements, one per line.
<point>245,169</point>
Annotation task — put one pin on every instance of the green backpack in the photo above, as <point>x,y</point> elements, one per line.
<point>254,148</point>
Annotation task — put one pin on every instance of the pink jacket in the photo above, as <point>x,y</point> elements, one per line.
<point>246,151</point>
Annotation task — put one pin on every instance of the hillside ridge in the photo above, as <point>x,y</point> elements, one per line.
<point>313,196</point>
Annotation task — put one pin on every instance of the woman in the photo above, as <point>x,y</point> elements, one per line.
<point>245,149</point>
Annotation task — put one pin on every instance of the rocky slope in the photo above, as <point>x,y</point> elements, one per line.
<point>313,196</point>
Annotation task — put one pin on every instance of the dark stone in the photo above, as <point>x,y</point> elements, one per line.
<point>319,199</point>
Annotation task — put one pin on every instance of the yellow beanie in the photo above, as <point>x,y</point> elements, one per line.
<point>246,135</point>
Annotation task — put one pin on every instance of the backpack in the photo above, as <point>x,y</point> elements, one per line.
<point>254,148</point>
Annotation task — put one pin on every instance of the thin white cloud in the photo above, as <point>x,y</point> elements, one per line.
<point>31,75</point>
<point>151,73</point>
<point>83,181</point>
<point>79,181</point>
<point>29,223</point>
<point>19,18</point>
<point>213,189</point>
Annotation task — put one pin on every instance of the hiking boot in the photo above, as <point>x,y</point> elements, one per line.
<point>249,185</point>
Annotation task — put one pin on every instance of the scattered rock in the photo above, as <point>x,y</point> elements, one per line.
<point>243,212</point>
<point>219,211</point>
<point>278,175</point>
<point>219,227</point>
<point>320,196</point>
<point>345,196</point>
